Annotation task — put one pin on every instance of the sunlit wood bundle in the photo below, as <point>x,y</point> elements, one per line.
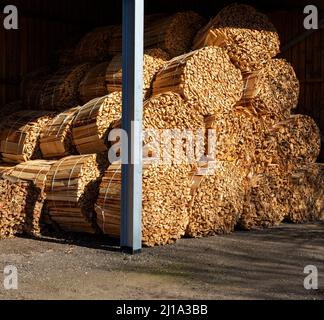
<point>56,138</point>
<point>175,33</point>
<point>35,172</point>
<point>217,199</point>
<point>306,197</point>
<point>266,202</point>
<point>92,123</point>
<point>94,46</point>
<point>174,130</point>
<point>20,135</point>
<point>60,90</point>
<point>298,140</point>
<point>205,78</point>
<point>154,60</point>
<point>94,83</point>
<point>235,135</point>
<point>248,36</point>
<point>16,196</point>
<point>273,90</point>
<point>71,191</point>
<point>166,193</point>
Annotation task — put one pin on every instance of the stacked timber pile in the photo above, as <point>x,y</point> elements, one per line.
<point>57,91</point>
<point>154,59</point>
<point>173,34</point>
<point>166,192</point>
<point>248,36</point>
<point>94,83</point>
<point>20,135</point>
<point>35,172</point>
<point>206,78</point>
<point>92,122</point>
<point>71,190</point>
<point>16,196</point>
<point>56,138</point>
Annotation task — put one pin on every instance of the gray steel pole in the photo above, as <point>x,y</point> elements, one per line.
<point>131,197</point>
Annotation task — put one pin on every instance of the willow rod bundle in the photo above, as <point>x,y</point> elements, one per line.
<point>265,202</point>
<point>94,83</point>
<point>205,78</point>
<point>56,137</point>
<point>20,135</point>
<point>298,140</point>
<point>94,46</point>
<point>61,89</point>
<point>273,90</point>
<point>175,33</point>
<point>217,198</point>
<point>36,173</point>
<point>306,197</point>
<point>154,59</point>
<point>16,196</point>
<point>169,121</point>
<point>71,191</point>
<point>92,123</point>
<point>248,36</point>
<point>166,192</point>
<point>4,168</point>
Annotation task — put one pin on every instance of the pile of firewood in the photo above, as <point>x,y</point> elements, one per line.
<point>15,196</point>
<point>36,173</point>
<point>221,147</point>
<point>20,135</point>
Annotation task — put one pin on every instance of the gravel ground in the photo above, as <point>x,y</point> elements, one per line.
<point>245,265</point>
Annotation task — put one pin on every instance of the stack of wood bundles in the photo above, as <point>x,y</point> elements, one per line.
<point>273,90</point>
<point>58,91</point>
<point>20,135</point>
<point>205,78</point>
<point>56,138</point>
<point>154,59</point>
<point>16,197</point>
<point>94,84</point>
<point>94,46</point>
<point>248,36</point>
<point>166,192</point>
<point>217,199</point>
<point>175,33</point>
<point>71,190</point>
<point>92,123</point>
<point>35,172</point>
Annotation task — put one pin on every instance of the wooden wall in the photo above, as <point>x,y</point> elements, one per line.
<point>43,28</point>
